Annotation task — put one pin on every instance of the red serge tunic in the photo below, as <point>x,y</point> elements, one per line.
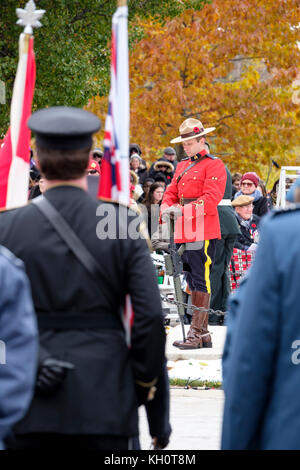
<point>205,183</point>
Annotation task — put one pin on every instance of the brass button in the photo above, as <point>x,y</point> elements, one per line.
<point>194,178</point>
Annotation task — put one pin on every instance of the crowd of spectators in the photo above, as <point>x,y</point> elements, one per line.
<point>250,199</point>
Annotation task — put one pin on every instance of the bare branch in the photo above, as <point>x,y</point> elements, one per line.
<point>226,117</point>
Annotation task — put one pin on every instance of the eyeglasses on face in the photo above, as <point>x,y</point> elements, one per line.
<point>247,184</point>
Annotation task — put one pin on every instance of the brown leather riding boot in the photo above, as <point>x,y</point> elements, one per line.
<point>198,335</point>
<point>205,302</point>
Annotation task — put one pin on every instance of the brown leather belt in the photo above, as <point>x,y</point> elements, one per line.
<point>186,200</point>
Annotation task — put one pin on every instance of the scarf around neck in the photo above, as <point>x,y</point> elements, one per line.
<point>256,194</point>
<point>243,222</point>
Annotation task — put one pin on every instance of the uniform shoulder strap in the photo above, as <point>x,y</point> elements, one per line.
<point>68,235</point>
<point>188,168</point>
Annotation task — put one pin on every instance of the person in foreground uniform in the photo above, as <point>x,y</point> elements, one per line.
<point>96,365</point>
<point>262,350</point>
<point>18,343</point>
<point>192,197</point>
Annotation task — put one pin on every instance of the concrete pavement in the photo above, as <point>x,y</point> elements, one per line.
<point>196,420</point>
<point>195,415</point>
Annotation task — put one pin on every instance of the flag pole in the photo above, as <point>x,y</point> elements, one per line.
<point>14,153</point>
<point>114,181</point>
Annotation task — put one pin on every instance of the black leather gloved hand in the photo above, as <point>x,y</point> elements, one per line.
<point>160,442</point>
<point>51,374</point>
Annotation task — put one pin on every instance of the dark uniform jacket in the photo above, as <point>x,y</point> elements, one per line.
<point>99,394</point>
<point>228,222</point>
<point>261,380</point>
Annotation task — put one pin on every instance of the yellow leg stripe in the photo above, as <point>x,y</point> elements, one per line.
<point>206,267</point>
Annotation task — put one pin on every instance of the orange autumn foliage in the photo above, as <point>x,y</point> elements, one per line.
<point>232,65</point>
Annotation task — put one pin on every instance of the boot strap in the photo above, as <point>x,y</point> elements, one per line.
<point>199,334</point>
<point>205,334</point>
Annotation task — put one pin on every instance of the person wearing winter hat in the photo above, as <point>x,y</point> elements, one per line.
<point>165,167</point>
<point>134,148</point>
<point>134,162</point>
<point>249,183</point>
<point>138,165</point>
<point>170,155</point>
<point>248,223</point>
<point>160,177</point>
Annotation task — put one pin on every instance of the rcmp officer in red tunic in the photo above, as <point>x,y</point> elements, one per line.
<point>89,381</point>
<point>192,198</point>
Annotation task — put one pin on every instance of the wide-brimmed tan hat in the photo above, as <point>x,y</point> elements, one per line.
<point>191,128</point>
<point>242,200</point>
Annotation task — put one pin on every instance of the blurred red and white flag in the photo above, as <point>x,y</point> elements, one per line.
<point>114,182</point>
<point>15,151</point>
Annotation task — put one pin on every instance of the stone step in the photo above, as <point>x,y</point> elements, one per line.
<point>218,334</point>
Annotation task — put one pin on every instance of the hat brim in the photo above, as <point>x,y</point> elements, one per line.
<point>243,204</point>
<point>180,139</point>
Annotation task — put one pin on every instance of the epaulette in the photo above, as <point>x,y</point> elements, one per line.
<point>183,159</point>
<point>11,257</point>
<point>285,210</point>
<point>209,155</point>
<point>201,157</point>
<point>113,201</point>
<point>133,207</point>
<point>5,209</point>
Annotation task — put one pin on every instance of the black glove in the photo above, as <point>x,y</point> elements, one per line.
<point>142,394</point>
<point>51,374</point>
<point>160,442</point>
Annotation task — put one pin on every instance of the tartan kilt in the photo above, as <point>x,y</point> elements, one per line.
<point>240,261</point>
